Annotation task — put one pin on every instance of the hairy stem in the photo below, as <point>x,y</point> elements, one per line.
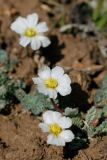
<point>56,106</point>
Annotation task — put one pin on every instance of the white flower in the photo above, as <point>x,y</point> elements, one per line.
<point>31,31</point>
<point>52,81</point>
<point>55,124</point>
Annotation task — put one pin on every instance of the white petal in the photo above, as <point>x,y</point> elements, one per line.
<point>64,90</point>
<point>51,117</point>
<point>42,89</point>
<point>67,135</point>
<point>66,79</point>
<point>44,41</point>
<point>44,72</point>
<point>42,27</point>
<point>38,81</point>
<point>65,122</point>
<point>19,25</point>
<point>24,41</point>
<point>32,20</point>
<point>47,117</point>
<point>40,85</point>
<point>52,93</point>
<point>58,141</point>
<point>57,71</point>
<point>64,87</point>
<point>35,43</point>
<point>44,127</point>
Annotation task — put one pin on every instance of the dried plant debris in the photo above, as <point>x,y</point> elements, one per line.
<point>56,12</point>
<point>81,27</point>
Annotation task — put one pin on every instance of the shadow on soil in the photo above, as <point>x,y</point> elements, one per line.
<point>80,142</point>
<point>53,52</point>
<point>78,98</point>
<point>71,149</point>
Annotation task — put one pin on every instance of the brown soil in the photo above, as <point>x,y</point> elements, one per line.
<point>20,137</point>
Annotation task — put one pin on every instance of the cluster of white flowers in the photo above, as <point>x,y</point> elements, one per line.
<point>31,31</point>
<point>50,82</point>
<point>56,125</point>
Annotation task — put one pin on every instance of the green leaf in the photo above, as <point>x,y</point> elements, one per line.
<point>91,131</point>
<point>90,115</point>
<point>102,21</point>
<point>71,112</point>
<point>2,104</point>
<point>36,103</point>
<point>7,89</point>
<point>100,97</point>
<point>77,121</point>
<point>105,110</point>
<point>102,128</point>
<point>3,56</point>
<point>97,11</point>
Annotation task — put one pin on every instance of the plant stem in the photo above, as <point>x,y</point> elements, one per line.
<point>56,106</point>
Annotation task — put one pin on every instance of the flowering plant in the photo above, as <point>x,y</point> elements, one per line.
<point>55,124</point>
<point>50,82</point>
<point>31,31</point>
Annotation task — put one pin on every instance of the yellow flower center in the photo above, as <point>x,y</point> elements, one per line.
<point>30,32</point>
<point>51,83</point>
<point>55,129</point>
